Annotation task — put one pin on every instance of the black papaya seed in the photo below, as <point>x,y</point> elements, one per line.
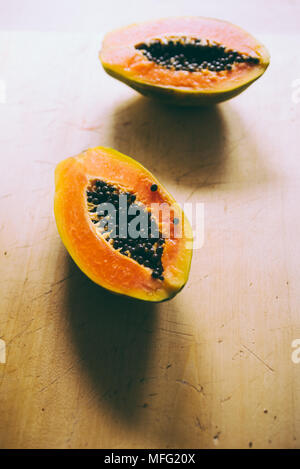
<point>140,249</point>
<point>190,54</point>
<point>155,274</point>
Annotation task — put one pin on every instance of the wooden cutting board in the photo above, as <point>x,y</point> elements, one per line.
<point>211,368</point>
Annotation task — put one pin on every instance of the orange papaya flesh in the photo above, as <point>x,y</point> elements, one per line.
<point>164,269</point>
<point>189,60</point>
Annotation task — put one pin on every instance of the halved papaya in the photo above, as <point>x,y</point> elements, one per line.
<point>121,226</point>
<point>188,61</point>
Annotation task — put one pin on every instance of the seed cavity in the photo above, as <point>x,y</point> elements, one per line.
<point>192,54</point>
<point>147,248</point>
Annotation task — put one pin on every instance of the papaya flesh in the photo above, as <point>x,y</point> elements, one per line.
<point>102,200</point>
<point>187,61</point>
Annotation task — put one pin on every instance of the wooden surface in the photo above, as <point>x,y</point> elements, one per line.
<point>211,368</point>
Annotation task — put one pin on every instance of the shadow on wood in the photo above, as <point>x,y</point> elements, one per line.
<point>194,148</point>
<point>113,336</point>
<point>184,144</point>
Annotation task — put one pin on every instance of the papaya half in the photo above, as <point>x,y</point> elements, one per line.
<point>121,226</point>
<point>185,61</point>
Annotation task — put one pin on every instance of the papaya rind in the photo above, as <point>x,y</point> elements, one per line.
<point>163,294</point>
<point>178,96</point>
<point>183,96</point>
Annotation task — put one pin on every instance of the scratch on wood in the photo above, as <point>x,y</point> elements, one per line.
<point>177,323</point>
<point>198,424</point>
<point>28,324</point>
<point>57,378</point>
<point>41,295</point>
<point>175,332</point>
<point>259,359</point>
<point>196,388</point>
<point>225,399</point>
<point>191,194</point>
<point>62,280</point>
